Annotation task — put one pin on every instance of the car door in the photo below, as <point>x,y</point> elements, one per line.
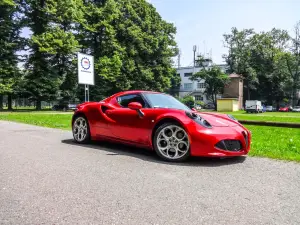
<point>126,124</point>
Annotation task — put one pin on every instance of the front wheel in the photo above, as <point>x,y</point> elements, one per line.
<point>171,143</point>
<point>81,130</point>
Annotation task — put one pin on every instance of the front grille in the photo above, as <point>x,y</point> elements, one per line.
<point>229,145</point>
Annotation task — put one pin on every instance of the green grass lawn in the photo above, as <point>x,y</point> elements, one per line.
<point>53,120</point>
<point>272,142</point>
<point>275,142</point>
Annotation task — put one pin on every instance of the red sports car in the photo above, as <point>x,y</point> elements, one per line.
<point>285,109</point>
<point>160,122</point>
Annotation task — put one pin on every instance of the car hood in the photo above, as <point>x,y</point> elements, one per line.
<point>219,120</point>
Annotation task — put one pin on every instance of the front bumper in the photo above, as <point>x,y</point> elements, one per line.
<point>220,142</point>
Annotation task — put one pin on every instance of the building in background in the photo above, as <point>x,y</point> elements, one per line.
<point>194,88</point>
<point>235,89</point>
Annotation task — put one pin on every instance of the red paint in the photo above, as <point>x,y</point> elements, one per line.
<point>110,121</point>
<point>134,106</point>
<point>284,109</point>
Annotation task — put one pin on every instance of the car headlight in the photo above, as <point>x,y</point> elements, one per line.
<point>198,119</point>
<point>232,117</point>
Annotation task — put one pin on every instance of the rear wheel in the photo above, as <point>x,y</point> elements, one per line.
<point>81,130</point>
<point>171,142</point>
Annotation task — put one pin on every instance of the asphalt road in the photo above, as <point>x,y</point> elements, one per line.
<point>47,179</point>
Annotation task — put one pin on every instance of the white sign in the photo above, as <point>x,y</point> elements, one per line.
<point>85,69</point>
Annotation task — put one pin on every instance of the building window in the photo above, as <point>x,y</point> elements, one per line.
<point>200,85</point>
<point>187,86</point>
<point>188,74</point>
<point>198,97</point>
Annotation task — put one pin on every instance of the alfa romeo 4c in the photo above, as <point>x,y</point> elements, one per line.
<point>160,122</point>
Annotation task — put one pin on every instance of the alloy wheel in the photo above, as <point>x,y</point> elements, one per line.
<point>80,129</point>
<point>173,142</point>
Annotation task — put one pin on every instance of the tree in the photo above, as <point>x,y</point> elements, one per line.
<point>293,64</point>
<point>188,101</point>
<point>214,79</point>
<point>50,68</point>
<point>41,81</point>
<point>258,58</point>
<point>239,56</point>
<point>175,84</point>
<point>266,56</point>
<point>10,42</point>
<point>59,41</point>
<point>131,44</point>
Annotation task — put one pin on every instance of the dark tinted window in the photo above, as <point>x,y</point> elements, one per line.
<point>188,74</point>
<point>126,99</point>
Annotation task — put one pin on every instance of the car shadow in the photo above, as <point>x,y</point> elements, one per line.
<point>114,149</point>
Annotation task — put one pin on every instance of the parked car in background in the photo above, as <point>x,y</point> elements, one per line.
<point>269,108</point>
<point>198,107</point>
<point>64,107</point>
<point>209,106</point>
<point>296,109</point>
<point>285,109</point>
<point>253,106</point>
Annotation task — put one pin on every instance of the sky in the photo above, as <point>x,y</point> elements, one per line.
<point>203,22</point>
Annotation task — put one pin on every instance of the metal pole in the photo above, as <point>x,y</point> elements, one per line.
<point>88,92</point>
<point>85,93</point>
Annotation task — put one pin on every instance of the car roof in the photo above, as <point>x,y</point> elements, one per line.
<point>128,93</point>
<point>136,92</point>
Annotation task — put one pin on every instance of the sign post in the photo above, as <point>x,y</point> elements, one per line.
<point>86,73</point>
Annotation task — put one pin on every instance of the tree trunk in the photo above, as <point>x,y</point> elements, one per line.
<point>9,102</point>
<point>277,105</point>
<point>214,99</point>
<point>294,97</point>
<point>38,104</point>
<point>248,91</point>
<point>1,102</point>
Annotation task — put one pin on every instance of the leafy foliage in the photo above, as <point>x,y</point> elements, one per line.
<point>239,56</point>
<point>269,68</point>
<point>10,43</point>
<point>188,101</point>
<point>131,44</point>
<point>133,48</point>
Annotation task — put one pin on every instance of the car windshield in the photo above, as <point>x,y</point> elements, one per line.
<point>165,101</point>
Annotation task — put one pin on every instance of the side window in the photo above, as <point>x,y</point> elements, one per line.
<point>126,99</point>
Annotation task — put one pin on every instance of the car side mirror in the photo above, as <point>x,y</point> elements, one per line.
<point>193,109</point>
<point>137,107</point>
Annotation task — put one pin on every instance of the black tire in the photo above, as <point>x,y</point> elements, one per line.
<point>155,144</point>
<point>87,137</point>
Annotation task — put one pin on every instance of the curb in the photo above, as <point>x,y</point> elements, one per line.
<point>272,124</point>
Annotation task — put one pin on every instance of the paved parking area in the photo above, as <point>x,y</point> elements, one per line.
<point>47,179</point>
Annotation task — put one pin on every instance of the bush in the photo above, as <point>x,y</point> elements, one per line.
<point>200,103</point>
<point>188,100</point>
